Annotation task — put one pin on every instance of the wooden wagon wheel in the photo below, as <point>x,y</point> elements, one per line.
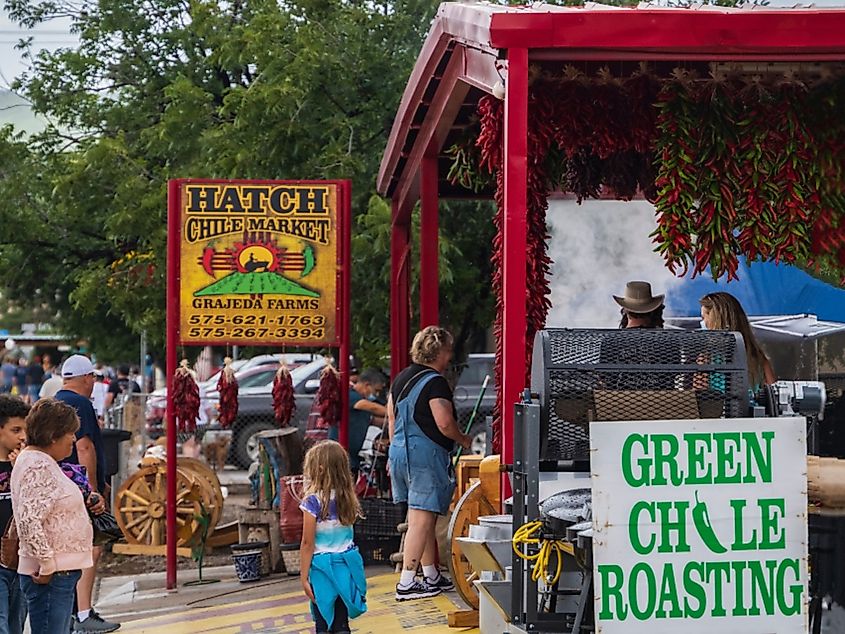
<point>472,504</point>
<point>212,494</point>
<point>141,506</point>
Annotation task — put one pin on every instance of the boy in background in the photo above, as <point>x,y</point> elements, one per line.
<point>13,413</point>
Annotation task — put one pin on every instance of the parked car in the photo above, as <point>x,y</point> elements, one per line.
<point>255,405</point>
<point>255,402</point>
<point>257,371</point>
<point>467,389</point>
<point>255,410</point>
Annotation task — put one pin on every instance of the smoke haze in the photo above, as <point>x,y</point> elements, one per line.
<point>597,247</point>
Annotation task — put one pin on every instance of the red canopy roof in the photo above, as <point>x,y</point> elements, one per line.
<point>458,61</point>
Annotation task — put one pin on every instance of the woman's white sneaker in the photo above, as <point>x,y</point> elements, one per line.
<point>416,590</point>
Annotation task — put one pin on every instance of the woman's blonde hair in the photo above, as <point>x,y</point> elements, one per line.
<point>727,314</point>
<point>326,470</point>
<point>428,343</point>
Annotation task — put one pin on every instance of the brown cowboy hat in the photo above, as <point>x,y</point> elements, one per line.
<point>638,298</point>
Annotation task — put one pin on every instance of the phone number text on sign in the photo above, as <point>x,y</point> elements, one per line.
<point>259,263</point>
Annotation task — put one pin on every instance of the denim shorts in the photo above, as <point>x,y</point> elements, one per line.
<point>428,482</point>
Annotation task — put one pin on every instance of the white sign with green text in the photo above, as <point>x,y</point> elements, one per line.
<point>700,526</point>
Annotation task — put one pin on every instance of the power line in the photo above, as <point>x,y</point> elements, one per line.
<point>2,41</point>
<point>34,31</point>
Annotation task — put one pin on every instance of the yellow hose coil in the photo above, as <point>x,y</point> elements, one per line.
<point>527,535</point>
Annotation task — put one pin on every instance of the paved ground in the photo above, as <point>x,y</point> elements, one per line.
<point>272,606</point>
<point>132,593</point>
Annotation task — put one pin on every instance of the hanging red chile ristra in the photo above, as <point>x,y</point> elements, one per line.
<point>284,401</point>
<point>540,140</point>
<point>610,126</point>
<point>640,92</point>
<point>574,113</point>
<point>757,159</point>
<point>186,399</point>
<point>717,213</point>
<point>328,396</point>
<point>490,144</point>
<point>827,239</point>
<point>227,387</point>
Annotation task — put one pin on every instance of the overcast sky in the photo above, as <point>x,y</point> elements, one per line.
<point>50,36</point>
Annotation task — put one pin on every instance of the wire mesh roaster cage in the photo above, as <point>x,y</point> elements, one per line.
<point>584,375</point>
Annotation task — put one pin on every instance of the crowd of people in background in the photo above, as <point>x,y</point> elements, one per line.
<point>24,377</point>
<point>38,377</point>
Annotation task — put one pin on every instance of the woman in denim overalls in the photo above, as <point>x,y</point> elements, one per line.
<point>421,438</point>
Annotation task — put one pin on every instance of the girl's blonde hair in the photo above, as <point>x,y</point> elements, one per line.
<point>428,343</point>
<point>326,469</point>
<point>727,314</point>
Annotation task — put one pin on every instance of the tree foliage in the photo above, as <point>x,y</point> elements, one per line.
<point>160,89</point>
<point>466,301</point>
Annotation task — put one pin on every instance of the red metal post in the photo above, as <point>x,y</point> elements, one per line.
<point>344,250</point>
<point>400,296</point>
<point>174,191</point>
<point>429,243</point>
<point>515,233</point>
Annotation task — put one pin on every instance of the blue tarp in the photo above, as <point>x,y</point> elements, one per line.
<point>764,288</point>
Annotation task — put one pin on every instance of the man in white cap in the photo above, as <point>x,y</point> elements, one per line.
<point>77,386</point>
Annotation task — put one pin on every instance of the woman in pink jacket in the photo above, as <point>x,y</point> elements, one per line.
<point>53,526</point>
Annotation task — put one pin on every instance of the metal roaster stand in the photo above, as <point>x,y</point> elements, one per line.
<point>579,376</point>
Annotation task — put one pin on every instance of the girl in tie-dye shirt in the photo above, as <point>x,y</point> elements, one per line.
<point>331,569</point>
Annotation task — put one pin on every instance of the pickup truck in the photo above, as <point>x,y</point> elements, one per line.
<point>255,405</point>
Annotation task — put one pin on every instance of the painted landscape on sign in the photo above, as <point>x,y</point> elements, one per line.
<point>258,283</point>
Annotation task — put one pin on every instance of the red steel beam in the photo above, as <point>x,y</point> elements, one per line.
<point>345,257</point>
<point>174,191</point>
<point>438,121</point>
<point>429,243</point>
<point>565,55</point>
<point>479,71</point>
<point>400,296</point>
<point>434,47</point>
<point>515,235</point>
<point>739,33</point>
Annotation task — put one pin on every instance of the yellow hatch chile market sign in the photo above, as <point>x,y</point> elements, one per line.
<point>700,526</point>
<point>258,263</point>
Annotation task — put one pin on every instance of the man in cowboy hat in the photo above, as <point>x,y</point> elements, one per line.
<point>640,309</point>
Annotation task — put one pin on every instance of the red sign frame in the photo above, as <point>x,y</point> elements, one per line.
<point>174,339</point>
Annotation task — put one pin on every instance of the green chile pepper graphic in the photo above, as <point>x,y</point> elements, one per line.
<point>705,529</point>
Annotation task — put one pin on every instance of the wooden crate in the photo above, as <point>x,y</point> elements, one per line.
<point>265,521</point>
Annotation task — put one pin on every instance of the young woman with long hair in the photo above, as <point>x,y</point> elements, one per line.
<point>722,311</point>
